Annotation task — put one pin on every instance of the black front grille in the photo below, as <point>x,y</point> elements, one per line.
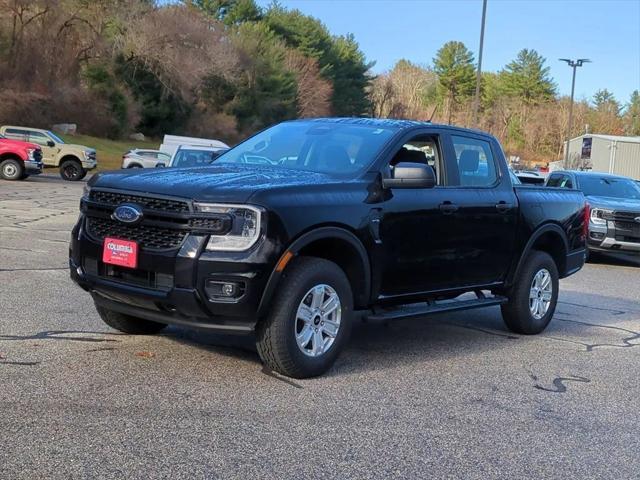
<point>149,203</point>
<point>147,236</point>
<point>37,155</point>
<point>627,225</point>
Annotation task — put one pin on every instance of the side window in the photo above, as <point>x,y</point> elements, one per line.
<point>566,182</point>
<point>421,149</point>
<point>39,138</point>
<point>555,181</point>
<point>16,134</point>
<point>476,166</point>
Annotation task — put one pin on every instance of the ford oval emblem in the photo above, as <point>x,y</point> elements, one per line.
<point>127,214</point>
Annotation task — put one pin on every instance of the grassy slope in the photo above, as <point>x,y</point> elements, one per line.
<point>109,152</point>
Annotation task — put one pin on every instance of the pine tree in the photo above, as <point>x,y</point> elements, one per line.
<point>455,69</point>
<point>527,78</point>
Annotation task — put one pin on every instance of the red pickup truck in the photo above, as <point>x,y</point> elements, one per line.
<point>19,159</point>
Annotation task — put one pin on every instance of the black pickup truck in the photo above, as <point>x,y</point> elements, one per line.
<point>293,232</point>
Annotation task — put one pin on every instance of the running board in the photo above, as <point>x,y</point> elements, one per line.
<point>422,309</point>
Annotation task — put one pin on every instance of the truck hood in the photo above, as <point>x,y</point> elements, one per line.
<point>216,183</point>
<point>613,203</point>
<point>18,144</point>
<point>73,146</point>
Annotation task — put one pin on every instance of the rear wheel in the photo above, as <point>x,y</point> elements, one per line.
<point>533,298</point>
<point>310,319</point>
<point>72,170</point>
<point>127,323</point>
<point>11,169</point>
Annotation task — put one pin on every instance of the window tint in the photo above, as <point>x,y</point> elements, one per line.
<point>476,166</point>
<point>331,147</point>
<point>16,134</point>
<point>616,187</point>
<point>560,181</point>
<point>193,158</point>
<point>420,149</point>
<point>39,138</point>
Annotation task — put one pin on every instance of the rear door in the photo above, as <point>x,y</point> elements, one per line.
<point>484,210</point>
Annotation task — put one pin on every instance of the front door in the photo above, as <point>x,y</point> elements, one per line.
<point>417,255</point>
<point>48,153</point>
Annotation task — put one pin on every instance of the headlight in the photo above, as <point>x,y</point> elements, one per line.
<point>245,226</point>
<point>31,153</point>
<point>89,155</point>
<point>597,216</point>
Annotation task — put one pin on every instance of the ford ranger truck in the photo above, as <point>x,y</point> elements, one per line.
<point>72,161</point>
<point>18,159</point>
<point>293,232</point>
<point>614,202</point>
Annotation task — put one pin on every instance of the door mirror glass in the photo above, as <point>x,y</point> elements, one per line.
<point>410,175</point>
<point>50,143</point>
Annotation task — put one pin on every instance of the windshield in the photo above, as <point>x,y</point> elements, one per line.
<point>55,138</point>
<point>333,148</point>
<point>192,157</point>
<point>609,187</point>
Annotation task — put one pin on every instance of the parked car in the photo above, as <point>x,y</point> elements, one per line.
<point>355,219</point>
<point>73,161</point>
<point>614,200</point>
<point>170,143</point>
<point>142,158</point>
<point>195,156</point>
<point>19,159</point>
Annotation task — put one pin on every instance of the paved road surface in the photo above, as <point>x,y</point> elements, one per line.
<point>452,395</point>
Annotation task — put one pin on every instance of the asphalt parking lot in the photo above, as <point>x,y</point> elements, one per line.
<point>453,395</point>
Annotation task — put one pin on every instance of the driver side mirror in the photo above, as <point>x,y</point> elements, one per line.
<point>410,175</point>
<point>50,143</point>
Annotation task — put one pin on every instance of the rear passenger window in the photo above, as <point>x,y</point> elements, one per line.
<point>476,166</point>
<point>554,181</point>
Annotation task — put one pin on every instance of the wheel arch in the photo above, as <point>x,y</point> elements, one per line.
<point>332,243</point>
<point>69,156</point>
<point>549,238</point>
<point>11,156</point>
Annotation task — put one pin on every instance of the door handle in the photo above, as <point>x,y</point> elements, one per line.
<point>448,208</point>
<point>503,207</point>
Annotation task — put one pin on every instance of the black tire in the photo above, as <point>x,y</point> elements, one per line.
<point>129,324</point>
<point>71,170</point>
<point>24,176</point>
<point>517,313</point>
<point>134,165</point>
<point>83,174</point>
<point>11,169</point>
<point>276,333</point>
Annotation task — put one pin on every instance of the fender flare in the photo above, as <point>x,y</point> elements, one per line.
<point>546,228</point>
<point>306,239</point>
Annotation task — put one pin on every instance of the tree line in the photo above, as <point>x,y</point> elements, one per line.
<point>226,68</point>
<point>519,104</point>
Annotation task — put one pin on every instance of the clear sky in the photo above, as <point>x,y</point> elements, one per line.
<point>605,31</point>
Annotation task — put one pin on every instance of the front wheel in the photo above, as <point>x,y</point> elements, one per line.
<point>310,319</point>
<point>72,170</point>
<point>533,297</point>
<point>11,169</point>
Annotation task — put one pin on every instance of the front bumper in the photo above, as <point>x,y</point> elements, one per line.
<point>612,237</point>
<point>33,167</point>
<point>89,164</point>
<point>172,287</point>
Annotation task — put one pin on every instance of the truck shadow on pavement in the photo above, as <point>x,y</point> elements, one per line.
<point>581,323</point>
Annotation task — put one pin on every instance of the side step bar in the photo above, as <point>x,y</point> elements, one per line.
<point>422,309</point>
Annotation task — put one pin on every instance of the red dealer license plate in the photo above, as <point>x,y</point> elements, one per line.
<point>123,253</point>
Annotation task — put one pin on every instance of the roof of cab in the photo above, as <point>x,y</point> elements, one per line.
<point>398,124</point>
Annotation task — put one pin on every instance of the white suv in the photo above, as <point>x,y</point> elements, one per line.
<point>139,158</point>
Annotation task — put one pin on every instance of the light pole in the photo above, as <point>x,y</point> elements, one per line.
<point>573,64</point>
<point>476,100</point>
